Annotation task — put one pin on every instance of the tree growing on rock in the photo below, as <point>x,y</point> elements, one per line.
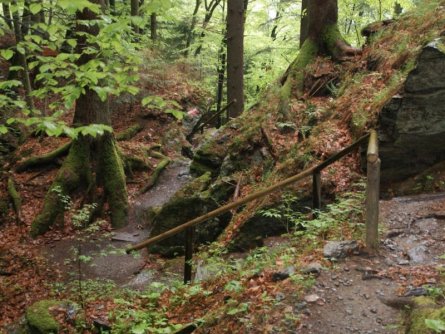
<point>321,37</point>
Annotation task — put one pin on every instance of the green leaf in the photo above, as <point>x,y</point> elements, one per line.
<point>78,5</point>
<point>176,113</point>
<point>436,325</point>
<point>34,8</point>
<point>7,54</point>
<point>139,328</point>
<point>3,130</point>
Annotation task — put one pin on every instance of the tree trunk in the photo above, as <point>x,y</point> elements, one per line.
<point>209,13</point>
<point>398,9</point>
<point>191,31</point>
<point>303,22</point>
<point>22,58</point>
<point>135,12</point>
<point>323,38</point>
<point>235,57</point>
<point>7,14</point>
<point>153,27</point>
<point>26,18</point>
<point>92,163</point>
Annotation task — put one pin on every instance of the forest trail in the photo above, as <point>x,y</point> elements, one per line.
<point>347,299</point>
<point>108,260</point>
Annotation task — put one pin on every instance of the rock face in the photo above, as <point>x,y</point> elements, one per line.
<point>191,201</point>
<point>412,125</point>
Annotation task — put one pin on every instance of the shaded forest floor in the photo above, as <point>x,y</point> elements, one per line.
<point>272,289</point>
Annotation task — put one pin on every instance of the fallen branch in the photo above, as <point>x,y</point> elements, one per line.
<point>129,133</point>
<point>45,159</point>
<point>15,199</point>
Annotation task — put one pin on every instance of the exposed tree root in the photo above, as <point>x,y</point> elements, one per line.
<point>155,175</point>
<point>129,133</point>
<point>15,199</point>
<point>90,164</point>
<point>74,173</point>
<point>42,160</point>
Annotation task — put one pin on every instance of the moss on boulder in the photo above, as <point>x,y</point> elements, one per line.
<point>191,201</point>
<point>39,318</point>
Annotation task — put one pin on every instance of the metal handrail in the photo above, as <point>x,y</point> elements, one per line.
<point>314,171</point>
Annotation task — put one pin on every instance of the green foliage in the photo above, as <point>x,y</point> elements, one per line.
<point>169,107</point>
<point>438,326</point>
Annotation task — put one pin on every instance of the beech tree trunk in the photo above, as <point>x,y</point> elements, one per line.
<point>92,163</point>
<point>235,56</point>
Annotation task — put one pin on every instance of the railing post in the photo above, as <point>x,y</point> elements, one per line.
<point>316,190</point>
<point>188,254</point>
<point>372,193</point>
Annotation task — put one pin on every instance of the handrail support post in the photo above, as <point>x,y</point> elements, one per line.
<point>316,190</point>
<point>189,232</point>
<point>372,194</point>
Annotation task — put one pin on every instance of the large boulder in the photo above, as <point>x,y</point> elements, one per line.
<point>193,200</point>
<point>40,319</point>
<point>412,124</point>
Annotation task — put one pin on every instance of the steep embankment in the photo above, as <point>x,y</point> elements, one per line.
<point>395,85</point>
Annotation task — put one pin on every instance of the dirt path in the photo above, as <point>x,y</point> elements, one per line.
<point>349,296</point>
<point>108,259</point>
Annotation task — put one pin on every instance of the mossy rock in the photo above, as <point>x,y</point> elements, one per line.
<point>425,309</point>
<point>191,201</point>
<point>39,318</point>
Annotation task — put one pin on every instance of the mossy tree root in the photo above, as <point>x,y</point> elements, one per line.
<point>113,179</point>
<point>74,173</point>
<point>293,79</point>
<point>155,175</point>
<point>129,133</point>
<point>331,44</point>
<point>42,160</point>
<point>16,199</point>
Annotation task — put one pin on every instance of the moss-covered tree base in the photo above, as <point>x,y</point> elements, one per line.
<point>74,173</point>
<point>89,164</point>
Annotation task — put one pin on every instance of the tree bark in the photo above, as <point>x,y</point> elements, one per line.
<point>303,22</point>
<point>235,56</point>
<point>153,27</point>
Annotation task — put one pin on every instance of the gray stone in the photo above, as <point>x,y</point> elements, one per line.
<point>412,125</point>
<point>417,254</point>
<point>339,249</point>
<point>312,268</point>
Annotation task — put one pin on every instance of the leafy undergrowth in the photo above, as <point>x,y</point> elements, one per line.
<point>24,276</point>
<point>238,292</point>
<point>243,294</point>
